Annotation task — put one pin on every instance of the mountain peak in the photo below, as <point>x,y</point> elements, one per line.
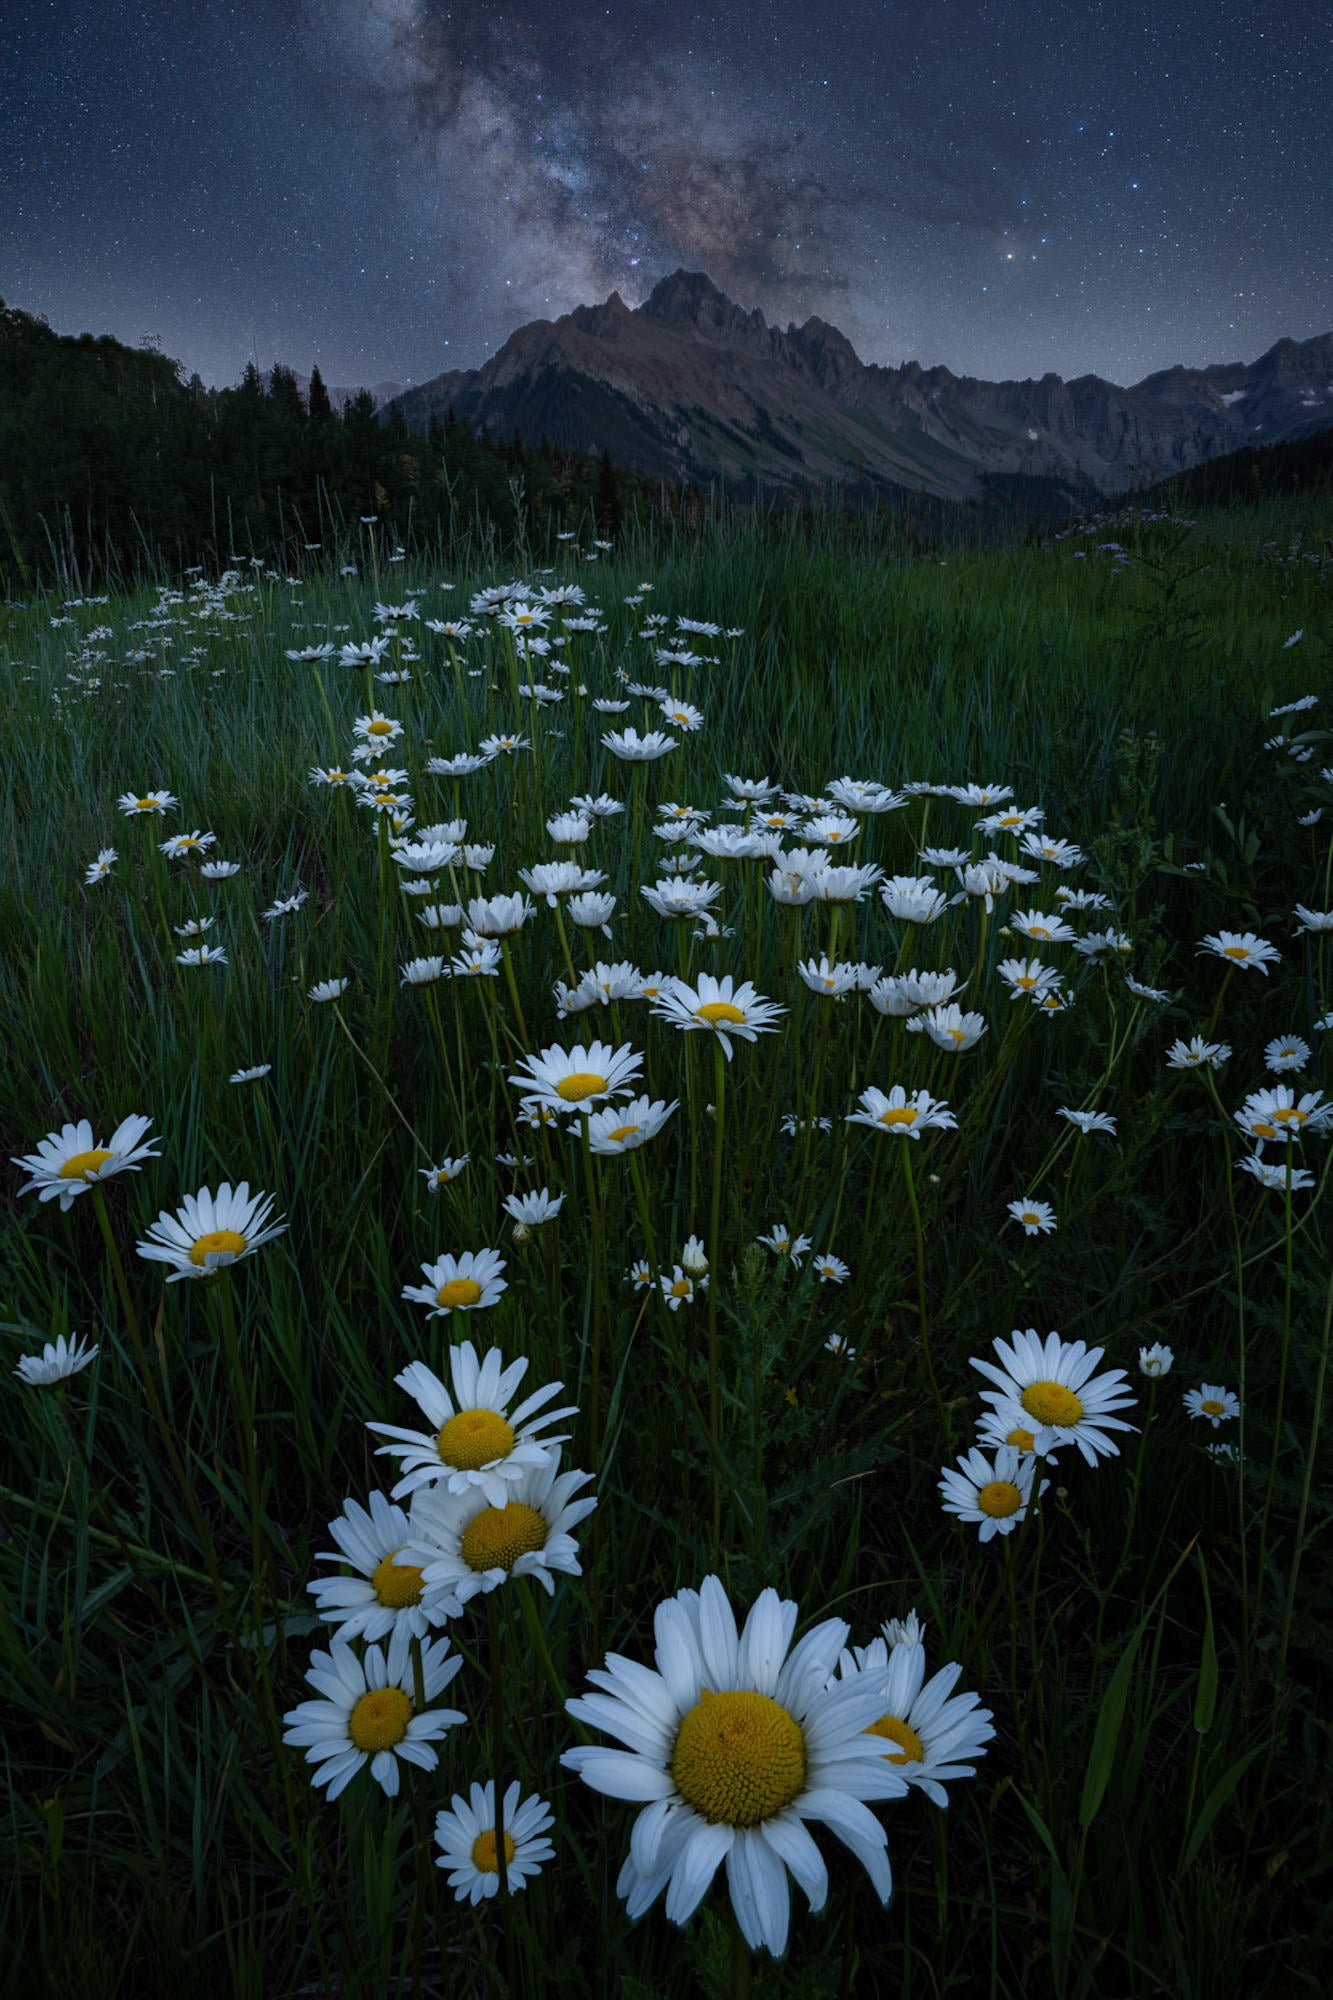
<point>691,298</point>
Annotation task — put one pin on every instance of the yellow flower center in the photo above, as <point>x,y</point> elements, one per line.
<point>396,1584</point>
<point>1235,951</point>
<point>714,1011</point>
<point>1021,1440</point>
<point>380,1719</point>
<point>1263,1131</point>
<point>956,1034</point>
<point>145,805</point>
<point>899,1114</point>
<point>1030,1215</point>
<point>216,1240</point>
<point>622,1132</point>
<point>474,1438</point>
<point>1287,1113</point>
<point>1052,1403</point>
<point>583,1083</point>
<point>84,1166</point>
<point>1025,981</point>
<point>1211,1407</point>
<point>739,1758</point>
<point>911,1750</point>
<point>380,729</point>
<point>498,1536</point>
<point>999,1499</point>
<point>458,1292</point>
<point>681,1288</point>
<point>486,1854</point>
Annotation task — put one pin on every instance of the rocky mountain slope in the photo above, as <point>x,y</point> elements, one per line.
<point>691,386</point>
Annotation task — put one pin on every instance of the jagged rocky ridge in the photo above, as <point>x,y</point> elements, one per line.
<point>691,386</point>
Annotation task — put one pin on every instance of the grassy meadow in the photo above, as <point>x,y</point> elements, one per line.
<point>761,1272</point>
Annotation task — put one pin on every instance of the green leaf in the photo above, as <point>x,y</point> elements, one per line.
<point>1214,1803</point>
<point>1106,1736</point>
<point>1205,1699</point>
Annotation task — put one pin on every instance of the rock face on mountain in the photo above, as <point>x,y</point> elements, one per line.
<point>691,386</point>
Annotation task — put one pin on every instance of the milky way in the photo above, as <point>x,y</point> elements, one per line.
<point>389,187</point>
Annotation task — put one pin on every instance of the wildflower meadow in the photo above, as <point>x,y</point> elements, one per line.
<point>667,1269</point>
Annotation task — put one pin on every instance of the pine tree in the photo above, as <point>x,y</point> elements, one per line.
<point>317,401</point>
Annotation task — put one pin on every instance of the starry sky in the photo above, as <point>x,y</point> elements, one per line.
<point>390,187</point>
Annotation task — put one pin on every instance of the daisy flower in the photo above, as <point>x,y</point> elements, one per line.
<point>477,1442</point>
<point>679,1289</point>
<point>469,1837</point>
<point>448,1170</point>
<point>1241,948</point>
<point>1041,928</point>
<point>1287,1052</point>
<point>996,1493</point>
<point>57,1361</point>
<point>734,1740</point>
<point>202,954</point>
<point>1279,1114</point>
<point>623,1128</point>
<point>532,1210</point>
<point>1088,1121</point>
<point>206,1234</point>
<point>460,1284</point>
<point>151,802</point>
<point>574,1079</point>
<point>677,897</point>
<point>694,1258</point>
<point>368,1714</point>
<point>1196,1052</point>
<point>384,1593</point>
<point>906,1116</point>
<point>70,1160</point>
<point>1037,1217</point>
<point>1313,920</point>
<point>250,1075</point>
<point>783,1244</point>
<point>640,1275</point>
<point>101,867</point>
<point>949,1028</point>
<point>929,1734</point>
<point>1155,1362</point>
<point>628,745</point>
<point>187,843</point>
<point>1213,1402</point>
<point>837,1343</point>
<point>1054,1386</point>
<point>719,1006</point>
<point>831,1270</point>
<point>468,1545</point>
<point>1027,976</point>
<point>994,1431</point>
<point>1275,1174</point>
<point>328,989</point>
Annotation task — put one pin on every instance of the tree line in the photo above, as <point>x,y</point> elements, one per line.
<point>114,465</point>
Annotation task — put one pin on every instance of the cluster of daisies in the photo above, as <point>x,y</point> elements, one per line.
<point>486,1502</point>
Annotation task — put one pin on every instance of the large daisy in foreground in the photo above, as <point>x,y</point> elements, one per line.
<point>732,1743</point>
<point>208,1232</point>
<point>1052,1386</point>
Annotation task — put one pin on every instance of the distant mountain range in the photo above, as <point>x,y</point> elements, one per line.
<point>691,386</point>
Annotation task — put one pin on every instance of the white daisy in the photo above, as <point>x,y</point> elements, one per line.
<point>328,989</point>
<point>1037,1217</point>
<point>532,1210</point>
<point>733,1742</point>
<point>476,1442</point>
<point>1088,1121</point>
<point>1212,1402</point>
<point>831,1270</point>
<point>1242,948</point>
<point>906,1117</point>
<point>574,1080</point>
<point>469,1841</point>
<point>930,1734</point>
<point>385,1593</point>
<point>57,1361</point>
<point>207,1233</point>
<point>995,1493</point>
<point>1277,1174</point>
<point>679,1288</point>
<point>994,1430</point>
<point>250,1075</point>
<point>719,1006</point>
<point>447,1171</point>
<point>1155,1361</point>
<point>783,1243</point>
<point>1286,1053</point>
<point>369,1716</point>
<point>949,1028</point>
<point>460,1284</point>
<point>101,867</point>
<point>70,1160</point>
<point>622,1128</point>
<point>1053,1386</point>
<point>468,1544</point>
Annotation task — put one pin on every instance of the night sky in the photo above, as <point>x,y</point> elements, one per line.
<point>390,187</point>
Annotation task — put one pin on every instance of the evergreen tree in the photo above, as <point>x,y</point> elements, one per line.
<point>317,402</point>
